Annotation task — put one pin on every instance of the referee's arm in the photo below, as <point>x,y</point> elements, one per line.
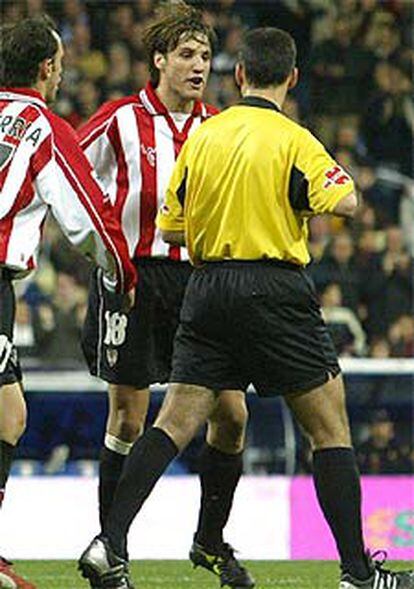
<point>347,206</point>
<point>329,189</point>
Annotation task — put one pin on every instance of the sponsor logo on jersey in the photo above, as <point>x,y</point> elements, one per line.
<point>336,176</point>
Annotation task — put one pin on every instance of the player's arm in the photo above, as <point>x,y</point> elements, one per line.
<point>69,187</point>
<point>170,219</point>
<point>98,138</point>
<point>319,185</point>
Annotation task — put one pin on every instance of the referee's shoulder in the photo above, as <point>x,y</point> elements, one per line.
<point>299,132</point>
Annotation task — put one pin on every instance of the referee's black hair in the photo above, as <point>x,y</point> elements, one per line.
<point>23,46</point>
<point>268,56</point>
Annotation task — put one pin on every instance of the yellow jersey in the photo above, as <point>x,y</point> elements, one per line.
<point>245,183</point>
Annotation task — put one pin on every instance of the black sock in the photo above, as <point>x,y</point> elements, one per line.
<point>6,459</point>
<point>338,488</point>
<point>219,475</point>
<point>110,468</point>
<point>148,459</point>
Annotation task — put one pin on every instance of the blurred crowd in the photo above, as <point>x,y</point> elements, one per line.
<point>355,93</point>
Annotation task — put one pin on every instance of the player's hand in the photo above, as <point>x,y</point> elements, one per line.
<point>128,300</point>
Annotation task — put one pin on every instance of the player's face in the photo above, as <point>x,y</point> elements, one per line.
<point>186,69</point>
<point>52,84</point>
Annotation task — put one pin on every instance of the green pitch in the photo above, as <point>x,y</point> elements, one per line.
<point>161,574</point>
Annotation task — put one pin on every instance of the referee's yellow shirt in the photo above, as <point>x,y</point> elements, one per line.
<point>245,183</point>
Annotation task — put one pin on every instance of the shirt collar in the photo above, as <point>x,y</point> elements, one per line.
<point>155,106</point>
<point>25,94</point>
<point>260,102</point>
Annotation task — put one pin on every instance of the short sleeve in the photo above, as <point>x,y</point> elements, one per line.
<point>317,182</point>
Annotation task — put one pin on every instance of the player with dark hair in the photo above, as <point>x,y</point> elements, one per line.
<point>240,195</point>
<point>133,143</point>
<point>41,168</point>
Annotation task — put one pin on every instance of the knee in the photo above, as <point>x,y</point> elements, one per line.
<point>330,434</point>
<point>127,425</point>
<point>227,427</point>
<point>131,428</point>
<point>13,426</point>
<point>127,412</point>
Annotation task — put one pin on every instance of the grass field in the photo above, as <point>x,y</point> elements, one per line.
<point>179,575</point>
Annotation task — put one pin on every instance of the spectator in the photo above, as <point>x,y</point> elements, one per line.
<point>388,126</point>
<point>73,13</point>
<point>384,199</point>
<point>223,62</point>
<point>57,325</point>
<point>339,78</point>
<point>338,266</point>
<point>23,329</point>
<point>380,348</point>
<point>119,71</point>
<point>88,99</point>
<point>91,63</point>
<point>343,324</point>
<point>401,337</point>
<point>382,453</point>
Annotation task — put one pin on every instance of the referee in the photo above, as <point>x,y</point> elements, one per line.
<point>242,190</point>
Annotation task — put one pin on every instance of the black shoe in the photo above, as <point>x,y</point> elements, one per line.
<point>222,563</point>
<point>380,578</point>
<point>103,568</point>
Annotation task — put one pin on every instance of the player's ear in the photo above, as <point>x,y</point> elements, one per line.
<point>239,75</point>
<point>159,60</point>
<point>294,77</point>
<point>46,68</point>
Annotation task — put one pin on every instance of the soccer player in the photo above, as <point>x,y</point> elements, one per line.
<point>41,168</point>
<point>133,143</point>
<point>242,189</point>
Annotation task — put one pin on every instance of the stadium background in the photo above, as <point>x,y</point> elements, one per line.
<point>356,93</point>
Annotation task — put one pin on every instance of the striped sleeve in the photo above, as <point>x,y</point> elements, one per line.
<point>96,145</point>
<point>110,141</point>
<point>68,184</point>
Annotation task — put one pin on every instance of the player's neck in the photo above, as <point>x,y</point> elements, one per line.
<point>276,95</point>
<point>40,87</point>
<point>173,101</point>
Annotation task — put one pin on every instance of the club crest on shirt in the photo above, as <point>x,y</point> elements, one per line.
<point>112,356</point>
<point>150,153</point>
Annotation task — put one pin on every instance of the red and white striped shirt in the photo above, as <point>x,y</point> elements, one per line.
<point>133,143</point>
<point>42,168</point>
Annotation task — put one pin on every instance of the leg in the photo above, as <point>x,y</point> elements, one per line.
<point>128,409</point>
<point>13,415</point>
<point>322,415</point>
<point>185,409</point>
<point>221,466</point>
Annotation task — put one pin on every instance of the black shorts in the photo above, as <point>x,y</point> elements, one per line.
<point>252,323</point>
<point>136,348</point>
<point>10,371</point>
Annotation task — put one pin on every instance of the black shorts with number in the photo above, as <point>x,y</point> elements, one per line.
<point>10,371</point>
<point>252,323</point>
<point>135,348</point>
